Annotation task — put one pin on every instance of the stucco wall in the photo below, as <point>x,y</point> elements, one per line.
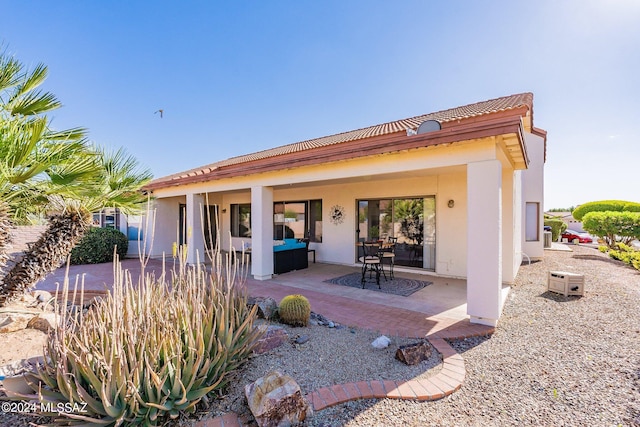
<point>338,245</point>
<point>533,191</point>
<point>435,171</point>
<point>167,213</point>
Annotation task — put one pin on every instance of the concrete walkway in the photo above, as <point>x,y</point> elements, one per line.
<point>437,313</point>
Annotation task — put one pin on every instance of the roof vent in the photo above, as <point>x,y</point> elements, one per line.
<point>429,126</point>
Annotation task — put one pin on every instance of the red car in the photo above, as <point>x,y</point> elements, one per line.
<point>571,235</point>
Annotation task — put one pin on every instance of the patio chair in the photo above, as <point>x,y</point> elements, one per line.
<point>388,253</point>
<point>371,261</point>
<point>306,242</point>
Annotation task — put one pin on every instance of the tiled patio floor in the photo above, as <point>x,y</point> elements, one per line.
<point>438,308</point>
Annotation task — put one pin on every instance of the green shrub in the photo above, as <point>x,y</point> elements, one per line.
<point>147,353</point>
<point>557,227</point>
<point>605,206</point>
<point>614,227</point>
<point>295,310</point>
<point>626,254</point>
<point>97,246</point>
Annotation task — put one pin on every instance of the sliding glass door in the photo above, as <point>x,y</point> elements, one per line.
<point>411,222</point>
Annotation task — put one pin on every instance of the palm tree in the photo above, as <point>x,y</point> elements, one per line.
<point>410,212</point>
<point>37,166</point>
<point>54,173</point>
<point>23,154</point>
<point>117,184</point>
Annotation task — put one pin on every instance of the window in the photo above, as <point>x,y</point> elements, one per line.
<point>315,220</point>
<point>298,220</point>
<point>134,227</point>
<point>410,221</point>
<point>241,220</point>
<point>210,226</point>
<point>532,219</point>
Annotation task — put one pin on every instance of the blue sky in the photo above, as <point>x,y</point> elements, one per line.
<point>243,76</point>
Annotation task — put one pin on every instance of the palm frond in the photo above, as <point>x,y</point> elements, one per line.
<point>10,70</point>
<point>26,100</point>
<point>34,103</point>
<point>67,134</point>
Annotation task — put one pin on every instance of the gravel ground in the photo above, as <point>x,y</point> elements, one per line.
<point>554,360</point>
<point>331,356</point>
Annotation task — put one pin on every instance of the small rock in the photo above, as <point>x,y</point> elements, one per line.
<point>302,339</point>
<point>274,336</point>
<point>43,322</point>
<point>331,324</point>
<point>276,400</point>
<point>267,306</point>
<point>381,342</point>
<point>92,302</point>
<point>412,354</point>
<point>21,366</point>
<point>42,296</point>
<point>319,318</point>
<point>25,300</point>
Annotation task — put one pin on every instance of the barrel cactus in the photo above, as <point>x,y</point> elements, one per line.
<point>295,310</point>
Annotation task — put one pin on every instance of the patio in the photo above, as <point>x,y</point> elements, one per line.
<point>438,308</point>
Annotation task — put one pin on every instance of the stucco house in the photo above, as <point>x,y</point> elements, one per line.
<point>461,190</point>
<point>567,218</point>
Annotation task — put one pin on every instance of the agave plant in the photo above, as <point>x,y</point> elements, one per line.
<point>147,353</point>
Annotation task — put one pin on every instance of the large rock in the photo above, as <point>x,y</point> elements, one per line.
<point>412,354</point>
<point>12,322</point>
<point>276,400</point>
<point>273,336</point>
<point>267,306</point>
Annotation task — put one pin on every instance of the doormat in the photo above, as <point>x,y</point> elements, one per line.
<point>398,286</point>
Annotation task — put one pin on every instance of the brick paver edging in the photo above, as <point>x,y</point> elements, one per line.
<point>444,383</point>
<point>448,380</point>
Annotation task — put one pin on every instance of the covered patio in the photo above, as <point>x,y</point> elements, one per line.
<point>439,308</point>
<point>462,197</point>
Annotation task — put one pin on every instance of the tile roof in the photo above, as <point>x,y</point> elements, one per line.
<point>465,112</point>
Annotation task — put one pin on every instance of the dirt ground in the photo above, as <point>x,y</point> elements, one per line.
<point>21,345</point>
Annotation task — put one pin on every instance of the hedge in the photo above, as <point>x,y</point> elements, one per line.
<point>605,206</point>
<point>557,227</point>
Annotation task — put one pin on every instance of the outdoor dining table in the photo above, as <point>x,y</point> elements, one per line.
<point>384,247</point>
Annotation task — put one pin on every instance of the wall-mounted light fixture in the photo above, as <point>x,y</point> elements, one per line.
<point>451,203</point>
<point>224,210</point>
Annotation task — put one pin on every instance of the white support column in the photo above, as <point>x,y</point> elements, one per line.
<point>509,251</point>
<point>195,241</point>
<point>262,232</point>
<point>484,241</point>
